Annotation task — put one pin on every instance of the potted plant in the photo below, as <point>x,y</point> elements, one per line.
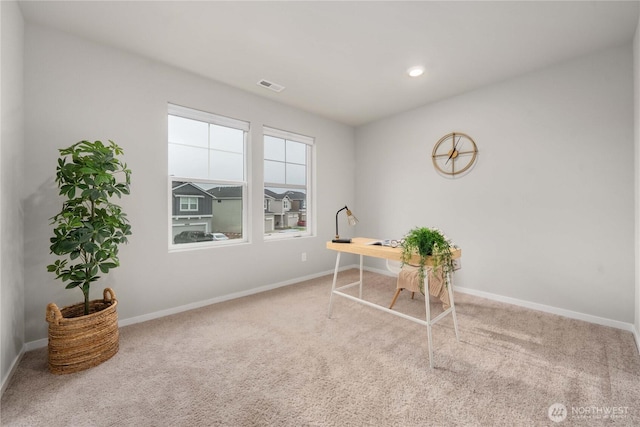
<point>87,233</point>
<point>428,242</point>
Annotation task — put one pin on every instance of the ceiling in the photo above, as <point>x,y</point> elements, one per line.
<point>347,61</point>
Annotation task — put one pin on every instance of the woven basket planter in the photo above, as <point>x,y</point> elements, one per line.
<point>78,342</point>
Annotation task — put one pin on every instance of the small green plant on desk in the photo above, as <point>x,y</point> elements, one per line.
<point>428,242</point>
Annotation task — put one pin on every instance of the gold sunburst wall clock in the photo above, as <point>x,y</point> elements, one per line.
<point>454,154</point>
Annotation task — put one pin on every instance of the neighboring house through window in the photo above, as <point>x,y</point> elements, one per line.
<point>287,183</point>
<point>207,173</point>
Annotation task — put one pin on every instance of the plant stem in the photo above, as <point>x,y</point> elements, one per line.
<point>85,291</point>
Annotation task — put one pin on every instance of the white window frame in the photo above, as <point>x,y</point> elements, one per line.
<point>309,187</point>
<point>190,113</point>
<point>188,200</point>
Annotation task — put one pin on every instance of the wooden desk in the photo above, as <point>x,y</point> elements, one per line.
<point>360,246</point>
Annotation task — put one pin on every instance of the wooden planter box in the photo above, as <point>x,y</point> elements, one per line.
<point>78,342</point>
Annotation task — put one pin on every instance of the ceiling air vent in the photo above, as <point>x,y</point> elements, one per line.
<point>271,85</point>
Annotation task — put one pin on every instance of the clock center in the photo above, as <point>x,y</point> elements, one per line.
<point>453,153</point>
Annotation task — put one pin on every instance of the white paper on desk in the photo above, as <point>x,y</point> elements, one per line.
<point>379,242</point>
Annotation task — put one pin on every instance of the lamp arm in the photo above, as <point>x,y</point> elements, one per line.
<point>340,210</point>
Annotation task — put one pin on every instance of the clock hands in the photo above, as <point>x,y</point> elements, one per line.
<point>454,148</point>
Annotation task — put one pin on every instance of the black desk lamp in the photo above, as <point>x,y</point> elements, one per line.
<point>352,221</point>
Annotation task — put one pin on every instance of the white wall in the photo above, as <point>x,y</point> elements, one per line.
<point>11,143</point>
<point>547,214</point>
<point>74,90</point>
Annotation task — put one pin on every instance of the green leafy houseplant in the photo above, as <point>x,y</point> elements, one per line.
<point>89,227</point>
<point>428,242</point>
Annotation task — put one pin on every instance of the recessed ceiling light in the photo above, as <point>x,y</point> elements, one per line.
<point>415,71</point>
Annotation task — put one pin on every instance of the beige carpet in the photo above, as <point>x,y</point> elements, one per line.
<point>275,359</point>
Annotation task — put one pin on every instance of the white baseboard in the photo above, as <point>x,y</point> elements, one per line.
<point>32,345</point>
<point>549,309</point>
<point>636,335</point>
<point>540,307</point>
<point>14,366</point>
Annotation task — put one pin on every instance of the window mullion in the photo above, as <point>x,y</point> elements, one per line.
<point>209,174</point>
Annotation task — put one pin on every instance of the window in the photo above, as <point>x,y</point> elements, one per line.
<point>287,176</point>
<point>207,173</point>
<point>188,203</point>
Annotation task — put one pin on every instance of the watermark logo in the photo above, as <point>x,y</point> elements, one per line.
<point>557,412</point>
<point>599,412</point>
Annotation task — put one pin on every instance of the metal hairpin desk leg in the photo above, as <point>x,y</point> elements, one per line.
<point>453,306</point>
<point>427,306</point>
<point>361,264</point>
<point>333,286</point>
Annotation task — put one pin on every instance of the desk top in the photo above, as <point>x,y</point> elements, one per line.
<point>359,246</point>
